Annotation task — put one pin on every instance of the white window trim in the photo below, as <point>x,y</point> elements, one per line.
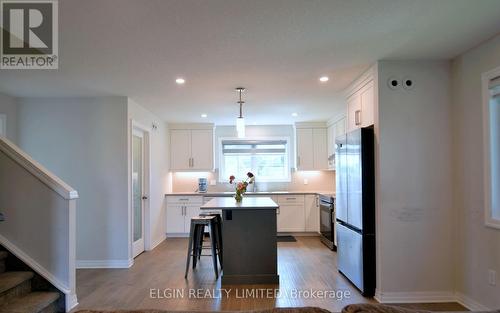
<point>3,131</point>
<point>289,158</point>
<point>486,77</point>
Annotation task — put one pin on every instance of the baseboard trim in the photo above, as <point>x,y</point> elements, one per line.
<point>469,303</point>
<point>430,297</point>
<point>34,265</point>
<point>157,242</point>
<point>415,297</point>
<point>81,264</point>
<point>71,301</point>
<point>177,235</point>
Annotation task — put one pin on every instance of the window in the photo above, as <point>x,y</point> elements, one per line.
<point>267,159</point>
<point>491,86</point>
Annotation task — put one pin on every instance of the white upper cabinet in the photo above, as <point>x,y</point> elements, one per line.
<point>202,149</point>
<point>191,149</point>
<point>305,157</point>
<point>361,102</point>
<point>335,129</point>
<point>320,153</point>
<point>367,95</point>
<point>340,129</point>
<point>180,149</point>
<point>312,149</point>
<point>354,112</point>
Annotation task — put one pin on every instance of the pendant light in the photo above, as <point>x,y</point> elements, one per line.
<point>240,121</point>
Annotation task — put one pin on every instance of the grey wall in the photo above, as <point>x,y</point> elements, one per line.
<point>478,247</point>
<point>414,193</point>
<point>84,142</point>
<point>9,108</point>
<point>37,220</point>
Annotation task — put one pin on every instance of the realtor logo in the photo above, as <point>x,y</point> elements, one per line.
<point>29,34</point>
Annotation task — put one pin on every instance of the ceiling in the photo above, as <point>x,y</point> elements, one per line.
<point>277,49</point>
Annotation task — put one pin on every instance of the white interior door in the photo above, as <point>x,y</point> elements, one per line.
<point>138,196</point>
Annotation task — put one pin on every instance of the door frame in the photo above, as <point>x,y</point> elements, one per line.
<point>134,125</point>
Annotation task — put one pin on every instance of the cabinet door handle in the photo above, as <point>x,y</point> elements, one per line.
<point>192,162</point>
<point>278,210</point>
<point>317,201</point>
<point>291,198</point>
<point>298,160</point>
<point>357,117</point>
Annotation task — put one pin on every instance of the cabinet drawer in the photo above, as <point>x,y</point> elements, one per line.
<point>185,199</point>
<point>291,199</point>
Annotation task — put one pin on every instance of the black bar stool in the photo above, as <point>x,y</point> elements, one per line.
<point>195,245</point>
<point>218,235</point>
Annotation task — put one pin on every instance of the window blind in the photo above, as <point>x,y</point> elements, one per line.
<point>253,146</point>
<point>494,86</point>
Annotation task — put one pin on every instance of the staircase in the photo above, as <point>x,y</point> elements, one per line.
<point>17,295</point>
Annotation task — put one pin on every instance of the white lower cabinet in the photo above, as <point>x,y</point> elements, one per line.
<point>297,213</point>
<point>180,210</point>
<point>291,213</point>
<point>175,219</point>
<point>312,213</point>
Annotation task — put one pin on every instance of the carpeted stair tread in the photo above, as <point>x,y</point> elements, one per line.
<point>9,280</point>
<point>31,303</point>
<point>3,255</point>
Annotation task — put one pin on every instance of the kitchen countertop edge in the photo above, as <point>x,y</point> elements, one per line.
<point>260,193</point>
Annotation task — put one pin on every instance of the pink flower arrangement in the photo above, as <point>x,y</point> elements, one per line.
<point>241,187</point>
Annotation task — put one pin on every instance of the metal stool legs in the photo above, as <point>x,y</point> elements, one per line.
<point>195,245</point>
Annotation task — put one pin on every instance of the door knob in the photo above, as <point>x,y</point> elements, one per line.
<point>144,197</point>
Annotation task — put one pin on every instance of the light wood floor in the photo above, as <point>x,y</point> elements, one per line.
<point>303,266</point>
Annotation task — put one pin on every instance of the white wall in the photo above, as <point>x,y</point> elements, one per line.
<point>414,193</point>
<point>84,142</point>
<point>9,108</point>
<point>478,247</point>
<point>159,168</point>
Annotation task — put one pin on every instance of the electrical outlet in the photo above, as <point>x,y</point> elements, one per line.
<point>492,278</point>
<point>306,181</point>
<point>213,182</point>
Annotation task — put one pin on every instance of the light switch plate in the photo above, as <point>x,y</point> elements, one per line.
<point>306,181</point>
<point>213,182</point>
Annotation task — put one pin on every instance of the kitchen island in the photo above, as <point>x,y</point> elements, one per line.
<point>249,239</point>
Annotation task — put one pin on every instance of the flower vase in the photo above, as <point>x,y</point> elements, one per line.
<point>238,197</point>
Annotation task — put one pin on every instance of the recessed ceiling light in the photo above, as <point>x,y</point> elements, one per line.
<point>295,114</point>
<point>323,79</point>
<point>180,81</point>
<point>204,115</point>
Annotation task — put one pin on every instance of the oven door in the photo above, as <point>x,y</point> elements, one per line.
<point>326,212</point>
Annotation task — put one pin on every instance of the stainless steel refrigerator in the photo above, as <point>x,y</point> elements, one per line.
<point>355,204</point>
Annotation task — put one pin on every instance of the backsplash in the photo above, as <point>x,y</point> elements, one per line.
<point>316,181</point>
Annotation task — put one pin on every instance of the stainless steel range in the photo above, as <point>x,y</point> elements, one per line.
<point>327,221</point>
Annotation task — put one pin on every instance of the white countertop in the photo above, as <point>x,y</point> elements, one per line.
<point>228,203</point>
<point>258,193</point>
